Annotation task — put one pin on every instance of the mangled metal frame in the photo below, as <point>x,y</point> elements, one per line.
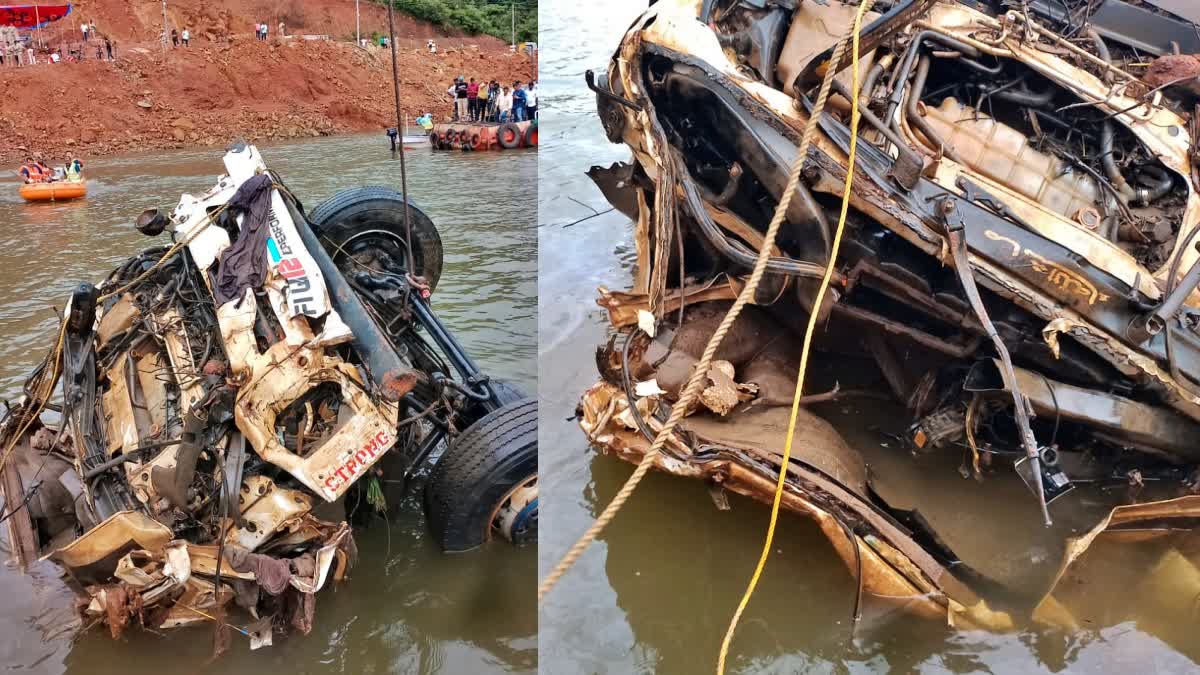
<point>1091,290</point>
<point>169,403</point>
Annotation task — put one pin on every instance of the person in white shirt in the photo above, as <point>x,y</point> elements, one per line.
<point>84,29</point>
<point>187,37</point>
<point>54,58</point>
<point>531,100</point>
<point>504,104</point>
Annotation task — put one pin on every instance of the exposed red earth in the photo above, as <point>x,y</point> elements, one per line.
<point>227,84</point>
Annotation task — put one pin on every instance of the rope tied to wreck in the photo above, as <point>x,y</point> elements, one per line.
<point>692,389</point>
<point>805,350</point>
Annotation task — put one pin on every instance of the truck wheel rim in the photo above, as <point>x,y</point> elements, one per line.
<point>515,517</point>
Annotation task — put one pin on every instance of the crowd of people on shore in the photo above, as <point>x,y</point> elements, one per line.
<point>35,171</point>
<point>27,52</point>
<point>492,102</point>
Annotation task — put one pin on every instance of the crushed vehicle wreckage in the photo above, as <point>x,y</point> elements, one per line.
<point>231,403</point>
<point>1019,274</point>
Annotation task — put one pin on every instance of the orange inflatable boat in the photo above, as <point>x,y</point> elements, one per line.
<point>53,192</point>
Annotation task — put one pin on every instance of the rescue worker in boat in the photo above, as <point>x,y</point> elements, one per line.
<point>75,171</point>
<point>33,171</point>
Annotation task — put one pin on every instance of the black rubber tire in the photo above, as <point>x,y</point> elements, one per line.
<point>509,136</point>
<point>433,139</point>
<point>475,142</point>
<point>370,220</point>
<point>531,136</point>
<point>477,472</point>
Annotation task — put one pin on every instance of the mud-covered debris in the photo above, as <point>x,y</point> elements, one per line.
<point>1175,70</point>
<point>722,393</point>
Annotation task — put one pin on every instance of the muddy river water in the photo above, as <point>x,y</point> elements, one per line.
<point>405,608</point>
<point>656,591</point>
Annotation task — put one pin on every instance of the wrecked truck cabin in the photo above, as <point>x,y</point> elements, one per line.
<point>215,417</point>
<point>1017,280</point>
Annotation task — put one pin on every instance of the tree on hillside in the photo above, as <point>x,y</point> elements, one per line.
<point>491,17</point>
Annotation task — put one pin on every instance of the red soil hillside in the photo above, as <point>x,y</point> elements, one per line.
<point>141,21</point>
<point>227,88</point>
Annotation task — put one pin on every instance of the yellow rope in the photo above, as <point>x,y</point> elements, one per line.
<point>808,335</point>
<point>698,374</point>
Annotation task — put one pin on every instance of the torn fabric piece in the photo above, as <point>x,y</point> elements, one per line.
<point>272,574</point>
<point>244,264</point>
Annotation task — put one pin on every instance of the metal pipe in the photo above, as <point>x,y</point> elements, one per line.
<point>913,114</point>
<point>979,67</point>
<point>1160,184</point>
<point>910,58</point>
<point>1029,99</point>
<point>423,313</point>
<point>1170,306</point>
<point>1107,134</point>
<point>1102,52</point>
<point>128,456</point>
<point>869,82</point>
<point>907,155</point>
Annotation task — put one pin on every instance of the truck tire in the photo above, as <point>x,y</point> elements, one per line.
<point>434,139</point>
<point>366,224</point>
<point>509,136</point>
<point>531,136</point>
<point>484,486</point>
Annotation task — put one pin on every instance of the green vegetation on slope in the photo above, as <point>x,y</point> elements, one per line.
<point>493,17</point>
